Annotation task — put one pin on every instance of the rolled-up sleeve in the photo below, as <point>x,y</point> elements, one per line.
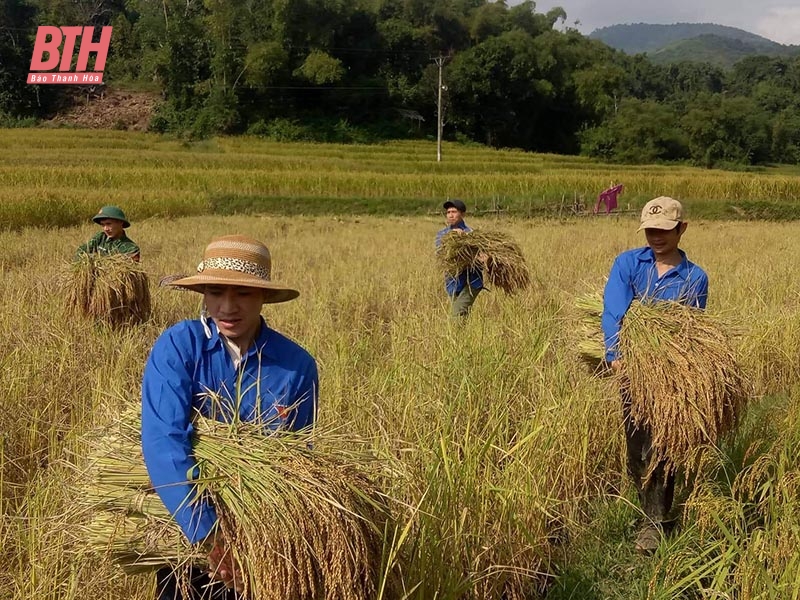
<point>617,298</point>
<point>166,436</point>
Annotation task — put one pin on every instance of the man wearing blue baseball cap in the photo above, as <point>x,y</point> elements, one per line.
<point>112,239</point>
<point>464,287</point>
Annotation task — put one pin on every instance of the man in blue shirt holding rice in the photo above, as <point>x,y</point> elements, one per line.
<point>250,370</point>
<point>464,288</point>
<point>658,271</point>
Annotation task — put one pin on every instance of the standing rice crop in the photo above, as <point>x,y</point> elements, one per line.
<point>113,289</point>
<point>681,374</point>
<point>304,522</point>
<point>496,254</point>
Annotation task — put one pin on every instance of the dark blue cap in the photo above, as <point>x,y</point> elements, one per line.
<point>458,204</point>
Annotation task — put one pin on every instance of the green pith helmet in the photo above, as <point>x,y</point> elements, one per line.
<point>111,212</point>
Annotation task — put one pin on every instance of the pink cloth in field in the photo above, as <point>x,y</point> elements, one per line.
<point>609,198</point>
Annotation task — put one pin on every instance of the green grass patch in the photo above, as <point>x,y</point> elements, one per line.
<point>600,562</point>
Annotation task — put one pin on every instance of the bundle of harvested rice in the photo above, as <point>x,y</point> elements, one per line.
<point>304,523</point>
<point>316,510</point>
<point>681,374</point>
<point>589,342</point>
<point>126,519</point>
<point>495,253</point>
<point>140,543</point>
<point>110,288</point>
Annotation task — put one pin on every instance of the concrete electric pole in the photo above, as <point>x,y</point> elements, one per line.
<point>439,60</point>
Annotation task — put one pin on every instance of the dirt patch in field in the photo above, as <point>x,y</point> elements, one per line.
<point>105,108</point>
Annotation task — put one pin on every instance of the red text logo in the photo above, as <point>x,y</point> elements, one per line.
<point>49,41</point>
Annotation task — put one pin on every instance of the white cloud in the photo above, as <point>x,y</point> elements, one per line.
<point>773,19</point>
<point>781,24</point>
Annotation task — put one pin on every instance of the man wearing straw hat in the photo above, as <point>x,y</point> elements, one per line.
<point>464,288</point>
<point>229,351</point>
<point>658,271</point>
<point>112,239</point>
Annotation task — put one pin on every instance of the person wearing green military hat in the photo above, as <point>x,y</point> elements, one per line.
<point>112,239</point>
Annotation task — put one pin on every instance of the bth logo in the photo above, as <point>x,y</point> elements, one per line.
<point>49,41</point>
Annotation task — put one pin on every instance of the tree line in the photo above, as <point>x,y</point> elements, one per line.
<point>363,70</point>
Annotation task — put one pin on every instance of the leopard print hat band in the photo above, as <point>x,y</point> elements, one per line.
<point>239,261</point>
<point>235,264</point>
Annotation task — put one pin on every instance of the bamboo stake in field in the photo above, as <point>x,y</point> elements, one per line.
<point>499,257</point>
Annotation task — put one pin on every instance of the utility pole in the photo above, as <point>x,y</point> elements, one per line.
<point>439,60</point>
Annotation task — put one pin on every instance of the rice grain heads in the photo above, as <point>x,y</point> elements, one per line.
<point>499,257</point>
<point>112,288</point>
<point>304,522</point>
<point>681,375</point>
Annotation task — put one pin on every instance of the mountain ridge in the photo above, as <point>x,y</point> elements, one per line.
<point>720,45</point>
<point>634,38</point>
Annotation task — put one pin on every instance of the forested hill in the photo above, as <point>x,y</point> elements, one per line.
<point>368,70</point>
<point>638,38</point>
<point>715,50</point>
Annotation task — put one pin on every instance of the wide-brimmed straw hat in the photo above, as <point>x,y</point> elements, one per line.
<point>237,260</point>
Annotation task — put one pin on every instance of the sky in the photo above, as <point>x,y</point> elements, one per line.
<point>778,20</point>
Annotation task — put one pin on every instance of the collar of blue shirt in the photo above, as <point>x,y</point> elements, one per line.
<point>646,254</point>
<point>261,344</point>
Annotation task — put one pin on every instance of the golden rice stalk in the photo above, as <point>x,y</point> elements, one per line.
<point>140,543</point>
<point>113,289</point>
<point>121,516</point>
<point>588,330</point>
<point>116,478</point>
<point>773,480</point>
<point>166,280</point>
<point>495,253</point>
<point>304,522</point>
<point>78,284</point>
<point>682,376</point>
<point>591,304</point>
<point>315,508</point>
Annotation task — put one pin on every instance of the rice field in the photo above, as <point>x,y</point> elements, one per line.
<point>59,176</point>
<point>513,453</point>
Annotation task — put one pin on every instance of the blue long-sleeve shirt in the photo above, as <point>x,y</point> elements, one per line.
<point>275,384</point>
<point>634,277</point>
<point>473,277</point>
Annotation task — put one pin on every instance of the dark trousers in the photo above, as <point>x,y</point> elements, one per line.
<point>657,492</point>
<point>200,587</point>
<point>463,301</point>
